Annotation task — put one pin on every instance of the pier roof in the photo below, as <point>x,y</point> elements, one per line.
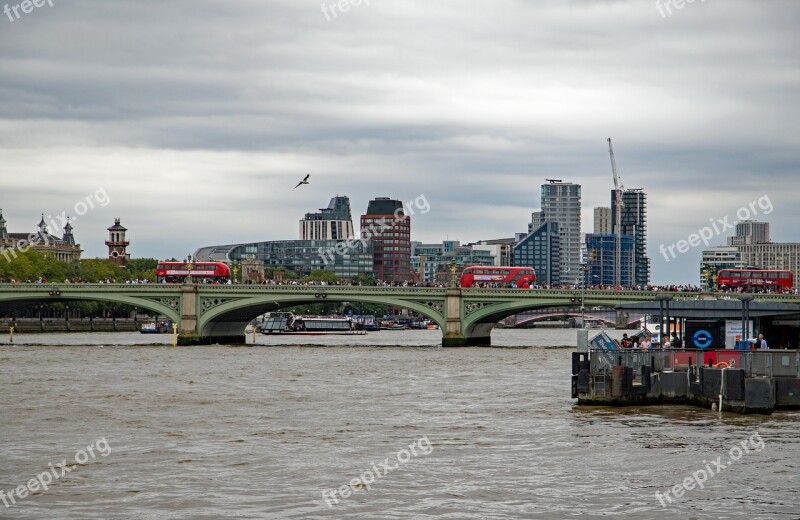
<point>713,308</point>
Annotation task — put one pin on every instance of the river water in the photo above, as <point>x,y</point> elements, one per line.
<point>262,431</point>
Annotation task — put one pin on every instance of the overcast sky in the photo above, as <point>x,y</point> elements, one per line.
<point>197,118</point>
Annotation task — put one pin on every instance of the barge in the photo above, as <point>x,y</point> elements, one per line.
<point>288,323</point>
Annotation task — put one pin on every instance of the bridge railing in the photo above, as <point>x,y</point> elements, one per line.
<point>594,294</point>
<point>321,288</point>
<point>56,286</point>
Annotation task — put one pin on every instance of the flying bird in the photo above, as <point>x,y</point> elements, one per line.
<point>304,181</point>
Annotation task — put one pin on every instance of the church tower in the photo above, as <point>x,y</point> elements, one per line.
<point>117,244</point>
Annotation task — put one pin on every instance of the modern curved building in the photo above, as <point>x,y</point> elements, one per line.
<point>323,244</point>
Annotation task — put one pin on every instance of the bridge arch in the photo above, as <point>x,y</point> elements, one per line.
<point>168,307</point>
<point>573,314</point>
<point>481,314</point>
<point>227,320</point>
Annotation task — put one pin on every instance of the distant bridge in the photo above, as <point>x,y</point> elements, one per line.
<point>219,313</point>
<point>610,317</point>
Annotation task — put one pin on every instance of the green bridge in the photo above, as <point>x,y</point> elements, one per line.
<point>219,313</point>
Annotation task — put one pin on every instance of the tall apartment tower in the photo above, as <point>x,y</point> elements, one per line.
<point>750,232</point>
<point>634,223</point>
<point>388,229</point>
<point>117,244</point>
<point>331,223</point>
<point>602,221</point>
<point>561,203</point>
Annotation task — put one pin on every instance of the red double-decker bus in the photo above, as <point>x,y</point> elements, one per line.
<point>759,279</point>
<point>507,277</point>
<point>201,272</point>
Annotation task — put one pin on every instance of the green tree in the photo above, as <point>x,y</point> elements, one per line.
<point>31,265</point>
<point>321,275</point>
<point>142,268</point>
<point>363,279</point>
<point>95,270</point>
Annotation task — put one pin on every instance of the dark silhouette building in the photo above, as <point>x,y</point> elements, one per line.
<point>388,229</point>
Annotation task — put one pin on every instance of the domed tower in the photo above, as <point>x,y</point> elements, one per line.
<point>3,230</point>
<point>69,238</point>
<point>117,244</point>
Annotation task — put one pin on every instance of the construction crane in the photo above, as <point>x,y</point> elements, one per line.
<point>618,189</point>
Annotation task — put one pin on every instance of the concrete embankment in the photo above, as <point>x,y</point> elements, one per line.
<point>80,325</point>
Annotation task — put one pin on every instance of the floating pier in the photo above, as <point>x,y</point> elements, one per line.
<point>741,381</point>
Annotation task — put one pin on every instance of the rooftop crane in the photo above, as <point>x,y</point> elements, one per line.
<point>618,189</point>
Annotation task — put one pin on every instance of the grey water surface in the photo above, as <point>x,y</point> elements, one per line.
<point>262,431</point>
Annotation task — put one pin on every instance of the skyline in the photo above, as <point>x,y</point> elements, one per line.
<point>196,131</point>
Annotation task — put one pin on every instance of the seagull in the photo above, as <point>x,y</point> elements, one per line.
<point>304,181</point>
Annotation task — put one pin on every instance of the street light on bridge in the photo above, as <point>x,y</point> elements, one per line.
<point>189,269</point>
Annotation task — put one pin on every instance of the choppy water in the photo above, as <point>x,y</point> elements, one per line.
<point>261,432</point>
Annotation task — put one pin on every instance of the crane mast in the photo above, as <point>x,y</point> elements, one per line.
<point>618,189</point>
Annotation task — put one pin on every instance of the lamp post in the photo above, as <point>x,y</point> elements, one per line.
<point>235,274</point>
<point>453,275</point>
<point>189,269</point>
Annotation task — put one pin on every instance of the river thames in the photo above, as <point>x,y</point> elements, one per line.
<point>267,431</point>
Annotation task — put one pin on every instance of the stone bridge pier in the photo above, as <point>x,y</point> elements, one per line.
<point>453,334</point>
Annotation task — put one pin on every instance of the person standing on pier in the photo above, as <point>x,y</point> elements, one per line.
<point>762,343</point>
